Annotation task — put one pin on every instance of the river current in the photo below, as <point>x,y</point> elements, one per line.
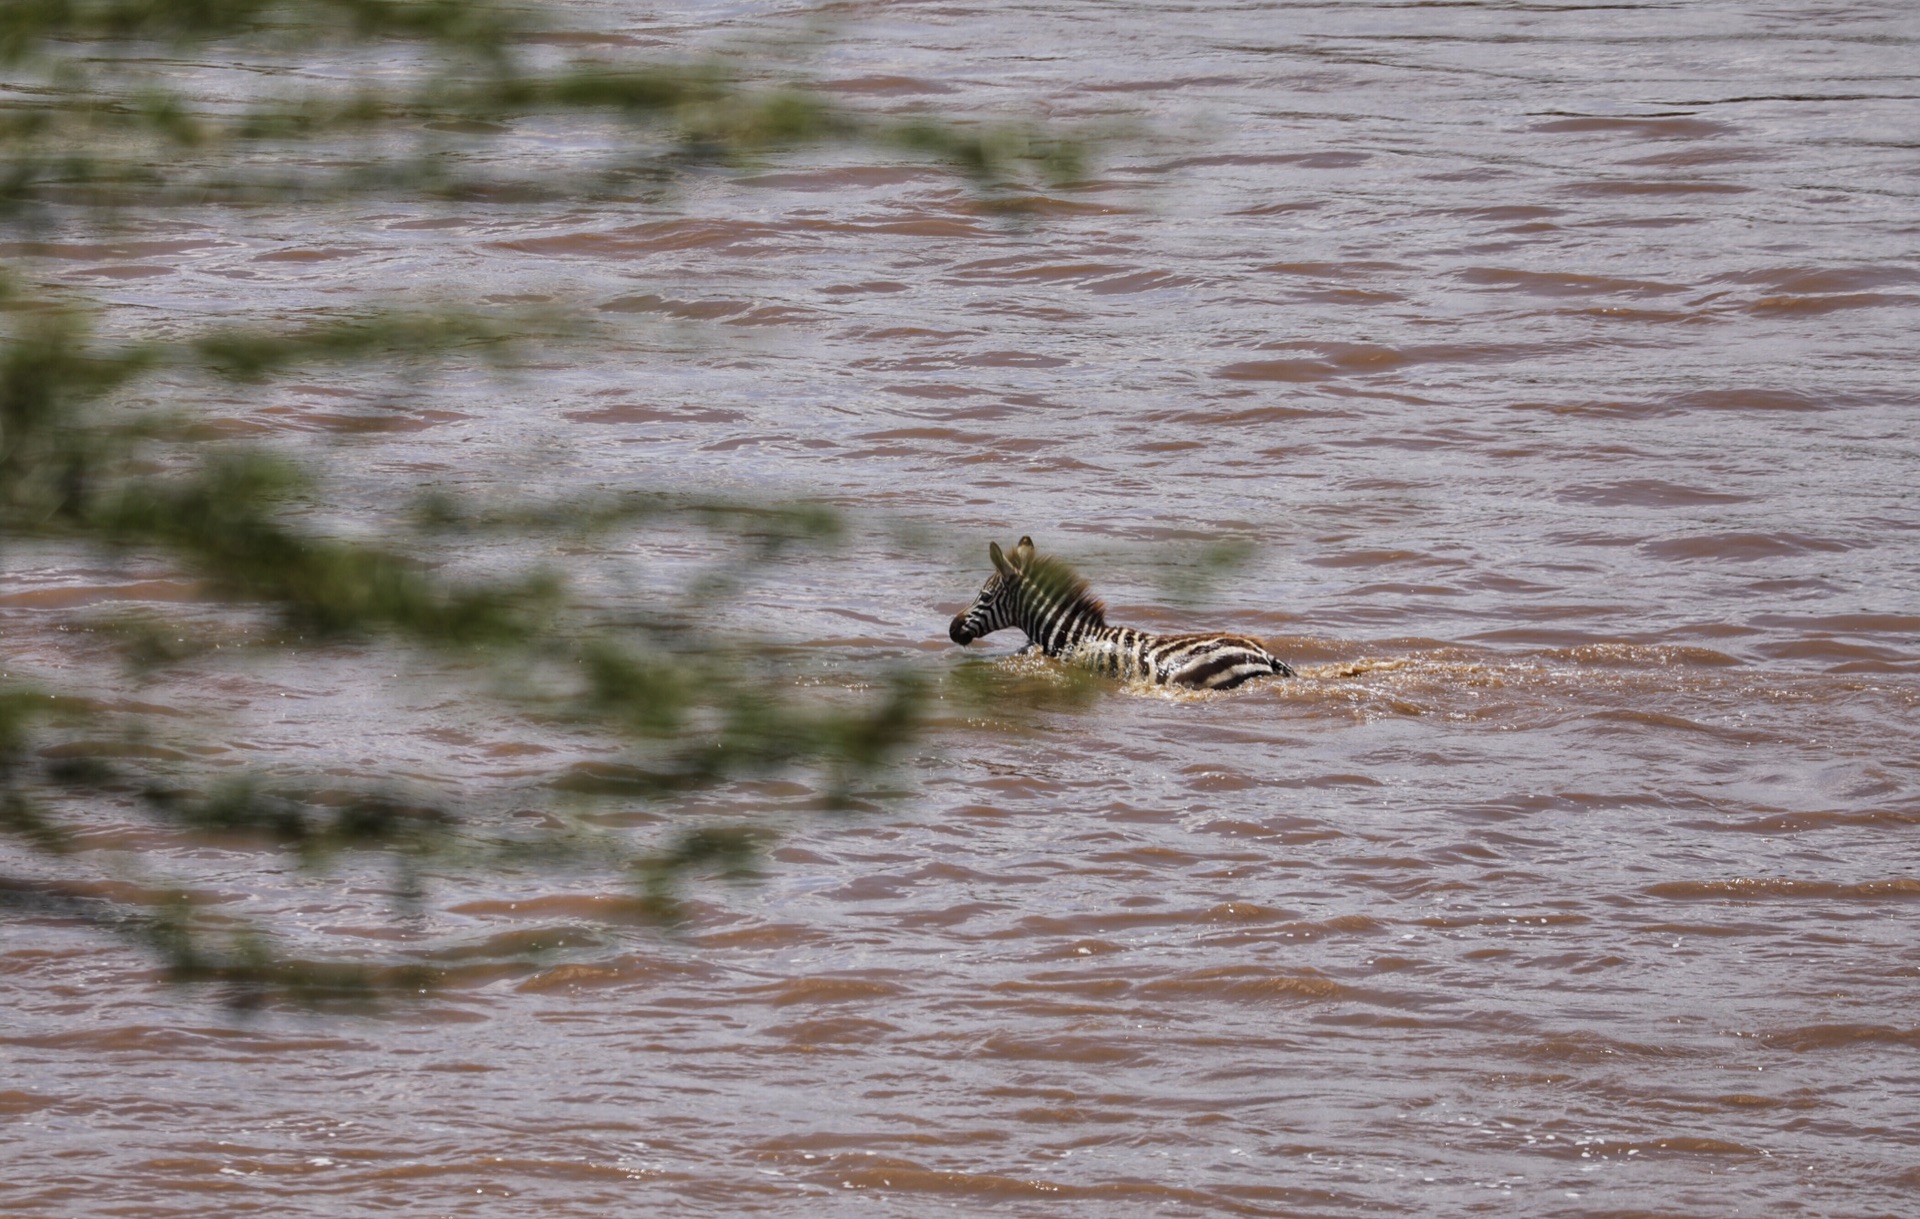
<point>1550,369</point>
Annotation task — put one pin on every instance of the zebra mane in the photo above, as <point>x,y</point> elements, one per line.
<point>1051,575</point>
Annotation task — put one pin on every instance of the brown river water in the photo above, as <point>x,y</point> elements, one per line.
<point>1558,362</point>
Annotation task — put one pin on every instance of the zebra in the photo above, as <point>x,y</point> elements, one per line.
<point>1047,600</point>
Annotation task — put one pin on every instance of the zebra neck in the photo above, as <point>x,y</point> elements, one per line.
<point>1071,636</point>
<point>1058,629</point>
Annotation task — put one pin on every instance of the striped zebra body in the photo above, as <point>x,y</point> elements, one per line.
<point>1046,600</point>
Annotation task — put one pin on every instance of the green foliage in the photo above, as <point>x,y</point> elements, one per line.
<point>103,455</point>
<point>100,126</point>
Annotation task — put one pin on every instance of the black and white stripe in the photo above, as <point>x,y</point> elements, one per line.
<point>1044,598</point>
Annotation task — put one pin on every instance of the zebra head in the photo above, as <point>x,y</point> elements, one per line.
<point>999,600</point>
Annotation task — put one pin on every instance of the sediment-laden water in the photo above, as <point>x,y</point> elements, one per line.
<point>1558,362</point>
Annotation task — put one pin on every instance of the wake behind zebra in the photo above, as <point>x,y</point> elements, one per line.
<point>1047,600</point>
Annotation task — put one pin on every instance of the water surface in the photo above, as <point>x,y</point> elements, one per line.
<point>1559,363</point>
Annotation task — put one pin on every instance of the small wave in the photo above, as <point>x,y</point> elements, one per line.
<point>1899,888</point>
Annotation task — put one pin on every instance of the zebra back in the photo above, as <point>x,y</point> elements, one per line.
<point>1197,661</point>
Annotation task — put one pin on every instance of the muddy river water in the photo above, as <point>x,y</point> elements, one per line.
<point>1556,365</point>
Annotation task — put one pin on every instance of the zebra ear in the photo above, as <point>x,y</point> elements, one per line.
<point>999,559</point>
<point>1023,553</point>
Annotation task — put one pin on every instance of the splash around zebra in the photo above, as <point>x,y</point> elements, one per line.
<point>1047,600</point>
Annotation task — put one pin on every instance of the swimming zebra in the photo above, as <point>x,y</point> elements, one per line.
<point>1044,598</point>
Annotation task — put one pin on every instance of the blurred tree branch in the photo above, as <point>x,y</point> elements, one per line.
<point>91,121</point>
<point>94,120</point>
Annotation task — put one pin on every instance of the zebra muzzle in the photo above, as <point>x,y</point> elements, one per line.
<point>958,632</point>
